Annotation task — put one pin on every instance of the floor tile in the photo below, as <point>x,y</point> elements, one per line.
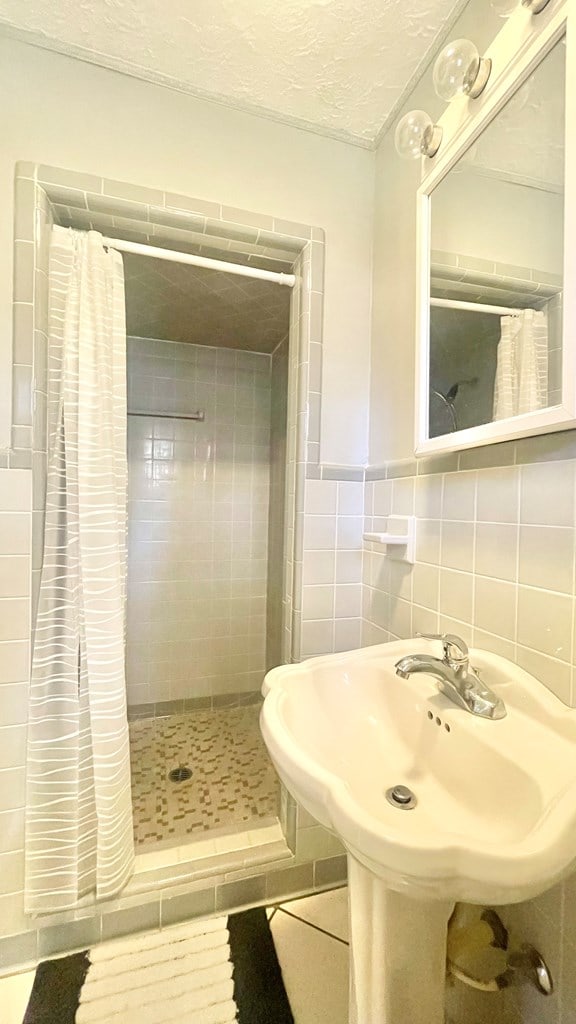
<point>232,784</point>
<point>315,971</point>
<point>14,995</point>
<point>326,910</point>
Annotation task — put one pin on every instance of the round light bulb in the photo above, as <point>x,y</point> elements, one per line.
<point>416,135</point>
<point>460,69</point>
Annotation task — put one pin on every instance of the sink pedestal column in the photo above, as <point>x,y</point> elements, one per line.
<point>397,953</point>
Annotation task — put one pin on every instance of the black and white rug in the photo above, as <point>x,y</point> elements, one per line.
<point>218,971</point>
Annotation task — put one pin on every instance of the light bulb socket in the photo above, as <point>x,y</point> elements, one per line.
<point>478,77</point>
<point>431,140</point>
<point>535,6</point>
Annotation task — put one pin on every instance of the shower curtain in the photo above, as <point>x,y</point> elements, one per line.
<point>78,809</point>
<point>521,383</point>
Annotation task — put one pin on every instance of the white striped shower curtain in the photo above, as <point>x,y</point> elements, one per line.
<point>78,809</point>
<point>521,383</point>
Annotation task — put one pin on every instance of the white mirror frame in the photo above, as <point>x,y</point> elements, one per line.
<point>518,49</point>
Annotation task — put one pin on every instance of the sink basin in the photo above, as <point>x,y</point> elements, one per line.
<point>495,813</point>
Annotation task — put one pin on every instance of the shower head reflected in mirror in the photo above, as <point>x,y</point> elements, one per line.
<point>447,399</point>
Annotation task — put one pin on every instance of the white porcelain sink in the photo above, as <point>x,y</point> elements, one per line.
<point>495,820</point>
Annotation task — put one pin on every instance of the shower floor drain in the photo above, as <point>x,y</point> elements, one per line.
<point>180,774</point>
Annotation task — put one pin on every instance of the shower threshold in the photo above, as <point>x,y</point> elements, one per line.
<point>224,853</point>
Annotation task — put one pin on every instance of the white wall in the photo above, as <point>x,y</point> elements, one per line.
<point>60,111</point>
<point>506,223</point>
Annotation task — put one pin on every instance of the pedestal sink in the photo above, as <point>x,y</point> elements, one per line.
<point>490,816</point>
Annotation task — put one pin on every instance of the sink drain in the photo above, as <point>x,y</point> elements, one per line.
<point>401,797</point>
<point>180,774</point>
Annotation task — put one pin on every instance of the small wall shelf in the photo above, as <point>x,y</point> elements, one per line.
<point>399,538</point>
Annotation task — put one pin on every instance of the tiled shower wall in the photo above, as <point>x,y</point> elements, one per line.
<point>495,563</point>
<point>278,454</point>
<point>198,521</point>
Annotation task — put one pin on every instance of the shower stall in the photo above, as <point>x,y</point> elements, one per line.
<point>176,417</point>
<point>207,376</point>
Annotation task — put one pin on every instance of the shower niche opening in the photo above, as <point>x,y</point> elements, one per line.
<point>207,369</point>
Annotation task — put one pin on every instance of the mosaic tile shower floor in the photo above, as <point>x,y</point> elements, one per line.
<point>232,784</point>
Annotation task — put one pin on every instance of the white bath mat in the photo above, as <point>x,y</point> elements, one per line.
<point>216,971</point>
<point>181,974</point>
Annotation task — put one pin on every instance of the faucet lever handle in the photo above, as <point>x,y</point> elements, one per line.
<point>455,649</point>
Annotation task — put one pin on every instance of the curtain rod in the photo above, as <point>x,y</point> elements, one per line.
<point>170,415</point>
<point>478,307</point>
<point>289,280</point>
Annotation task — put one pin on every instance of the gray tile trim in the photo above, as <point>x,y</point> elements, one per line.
<point>134,193</point>
<point>19,950</point>
<point>406,467</point>
<point>236,894</point>
<point>182,908</point>
<point>24,271</point>
<point>20,458</point>
<point>342,473</point>
<point>71,179</point>
<point>293,230</point>
<point>132,919</point>
<point>91,192</point>
<point>73,935</point>
<point>331,871</point>
<point>546,448</point>
<point>288,882</point>
<point>376,473</point>
<point>188,705</point>
<point>487,455</point>
<point>277,881</point>
<point>172,201</point>
<point>504,273</point>
<point>553,447</point>
<point>438,464</point>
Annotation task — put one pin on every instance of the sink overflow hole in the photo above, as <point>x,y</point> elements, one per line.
<point>180,774</point>
<point>438,721</point>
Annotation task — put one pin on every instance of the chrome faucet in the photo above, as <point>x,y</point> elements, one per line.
<point>456,676</point>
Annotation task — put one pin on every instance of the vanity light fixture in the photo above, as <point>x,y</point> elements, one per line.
<point>459,68</point>
<point>416,135</point>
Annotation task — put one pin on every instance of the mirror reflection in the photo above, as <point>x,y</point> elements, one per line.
<point>496,264</point>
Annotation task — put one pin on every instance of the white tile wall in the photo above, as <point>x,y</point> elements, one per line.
<point>198,521</point>
<point>331,568</point>
<point>495,562</point>
<point>15,575</point>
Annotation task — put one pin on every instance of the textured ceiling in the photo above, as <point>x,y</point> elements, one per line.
<point>339,67</point>
<point>175,302</point>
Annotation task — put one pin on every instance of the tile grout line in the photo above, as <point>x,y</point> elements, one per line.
<point>316,927</point>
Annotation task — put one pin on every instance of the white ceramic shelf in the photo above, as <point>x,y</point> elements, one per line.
<point>399,538</point>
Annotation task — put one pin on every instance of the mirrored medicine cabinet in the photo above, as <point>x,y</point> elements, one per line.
<point>496,333</point>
